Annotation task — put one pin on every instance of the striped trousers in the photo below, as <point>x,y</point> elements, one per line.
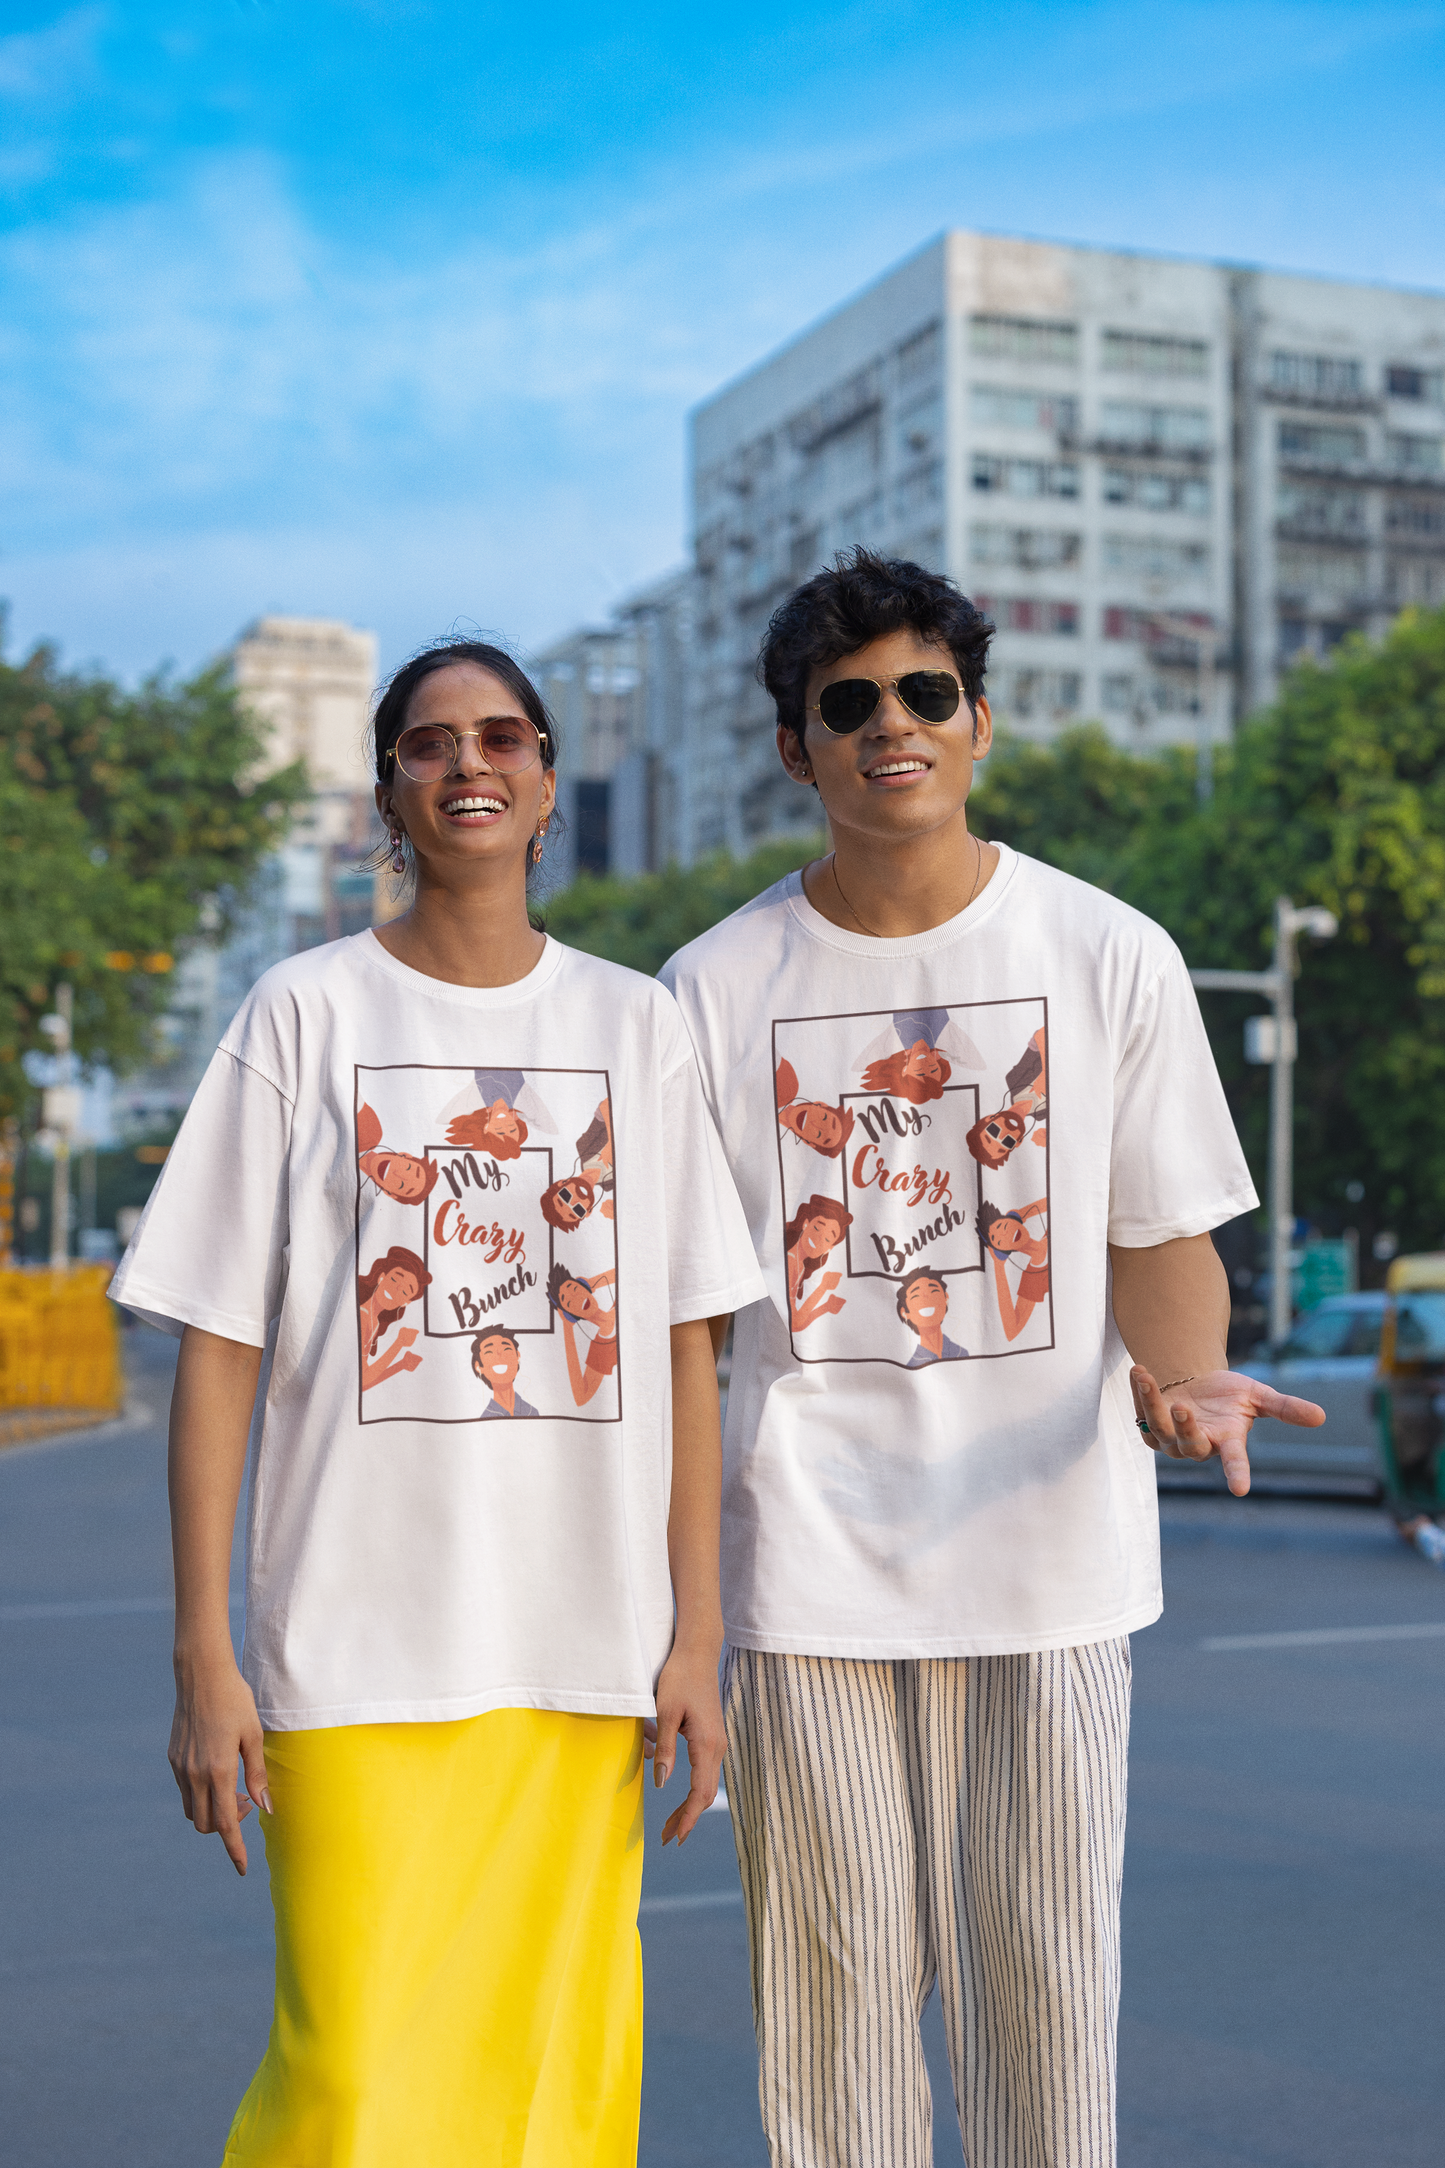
<point>949,1820</point>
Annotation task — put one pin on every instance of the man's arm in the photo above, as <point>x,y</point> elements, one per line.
<point>687,1692</point>
<point>1171,1305</point>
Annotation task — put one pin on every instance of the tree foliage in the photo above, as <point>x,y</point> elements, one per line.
<point>123,817</point>
<point>642,922</point>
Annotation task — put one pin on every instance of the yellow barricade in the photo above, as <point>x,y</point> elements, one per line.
<point>60,1341</point>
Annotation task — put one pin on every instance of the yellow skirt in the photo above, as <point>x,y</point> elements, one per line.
<point>458,1972</point>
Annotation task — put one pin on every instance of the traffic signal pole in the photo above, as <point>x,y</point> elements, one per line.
<point>1277,1046</point>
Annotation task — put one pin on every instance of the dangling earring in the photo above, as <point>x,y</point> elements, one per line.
<point>398,856</point>
<point>537,843</point>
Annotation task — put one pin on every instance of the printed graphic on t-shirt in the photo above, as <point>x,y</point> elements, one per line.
<point>486,1248</point>
<point>913,1151</point>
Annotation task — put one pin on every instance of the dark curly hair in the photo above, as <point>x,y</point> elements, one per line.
<point>863,597</point>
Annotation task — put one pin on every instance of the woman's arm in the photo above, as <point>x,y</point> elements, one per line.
<point>687,1692</point>
<point>215,1723</point>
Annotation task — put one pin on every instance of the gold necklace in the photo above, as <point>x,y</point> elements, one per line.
<point>833,865</point>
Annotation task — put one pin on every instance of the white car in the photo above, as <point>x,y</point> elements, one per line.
<point>1329,1358</point>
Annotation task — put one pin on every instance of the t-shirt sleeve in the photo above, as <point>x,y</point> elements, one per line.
<point>1176,1168</point>
<point>211,1245</point>
<point>712,1268</point>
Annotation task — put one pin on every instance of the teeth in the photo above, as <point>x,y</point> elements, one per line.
<point>901,767</point>
<point>475,805</point>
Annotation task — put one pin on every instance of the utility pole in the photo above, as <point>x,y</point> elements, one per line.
<point>60,1111</point>
<point>1274,1039</point>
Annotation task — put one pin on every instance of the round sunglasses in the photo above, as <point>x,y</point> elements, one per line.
<point>845,706</point>
<point>428,751</point>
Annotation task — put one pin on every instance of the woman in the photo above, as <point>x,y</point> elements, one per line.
<point>454,1634</point>
<point>1006,1235</point>
<point>576,1301</point>
<point>816,1228</point>
<point>382,1296</point>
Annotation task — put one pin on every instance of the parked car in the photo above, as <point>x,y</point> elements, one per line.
<point>1330,1358</point>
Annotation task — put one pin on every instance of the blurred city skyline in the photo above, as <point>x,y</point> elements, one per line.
<point>393,312</point>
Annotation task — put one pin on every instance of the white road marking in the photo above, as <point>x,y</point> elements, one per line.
<point>1319,1636</point>
<point>703,1900</point>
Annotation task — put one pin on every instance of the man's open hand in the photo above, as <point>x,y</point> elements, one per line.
<point>1212,1414</point>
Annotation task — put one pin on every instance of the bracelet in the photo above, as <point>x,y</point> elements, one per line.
<point>1175,1383</point>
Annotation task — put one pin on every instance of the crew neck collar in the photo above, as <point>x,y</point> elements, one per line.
<point>464,997</point>
<point>912,944</point>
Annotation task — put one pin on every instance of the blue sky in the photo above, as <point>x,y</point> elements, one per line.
<point>392,310</point>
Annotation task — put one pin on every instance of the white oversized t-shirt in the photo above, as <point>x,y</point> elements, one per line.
<point>930,1445</point>
<point>462,1221</point>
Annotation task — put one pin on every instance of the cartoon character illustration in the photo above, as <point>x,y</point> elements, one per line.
<point>1005,1235</point>
<point>995,1138</point>
<point>812,1121</point>
<point>575,1300</point>
<point>916,1057</point>
<point>396,1174</point>
<point>382,1296</point>
<point>816,1228</point>
<point>496,1359</point>
<point>1028,1085</point>
<point>566,1203</point>
<point>923,1305</point>
<point>495,1114</point>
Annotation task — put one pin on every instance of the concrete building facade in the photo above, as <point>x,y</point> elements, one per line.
<point>1163,480</point>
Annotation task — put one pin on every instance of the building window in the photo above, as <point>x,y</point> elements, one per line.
<point>1149,556</point>
<point>1420,518</point>
<point>1032,695</point>
<point>995,406</point>
<point>1025,477</point>
<point>1338,574</point>
<point>1149,628</point>
<point>917,491</point>
<point>1155,490</point>
<point>1166,428</point>
<point>1417,580</point>
<point>1030,613</point>
<point>1023,338</point>
<point>1030,547</point>
<point>1315,509</point>
<point>1415,455</point>
<point>1406,383</point>
<point>1323,447</point>
<point>1117,693</point>
<point>1316,376</point>
<point>1148,354</point>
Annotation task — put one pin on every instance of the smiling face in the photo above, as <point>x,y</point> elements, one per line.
<point>818,1236</point>
<point>566,1204</point>
<point>820,1126</point>
<point>925,1304</point>
<point>1007,1234</point>
<point>896,777</point>
<point>504,1123</point>
<point>496,1361</point>
<point>577,1300</point>
<point>399,1174</point>
<point>995,1139</point>
<point>472,815</point>
<point>395,1289</point>
<point>923,1061</point>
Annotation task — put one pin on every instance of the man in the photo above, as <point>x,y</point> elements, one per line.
<point>496,1359</point>
<point>930,1573</point>
<point>923,1305</point>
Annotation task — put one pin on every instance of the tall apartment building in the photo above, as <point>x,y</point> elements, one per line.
<point>1163,480</point>
<point>619,695</point>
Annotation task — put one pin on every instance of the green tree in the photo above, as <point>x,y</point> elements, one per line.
<point>1080,802</point>
<point>641,922</point>
<point>123,816</point>
<point>1335,796</point>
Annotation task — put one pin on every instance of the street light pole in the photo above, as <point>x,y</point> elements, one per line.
<point>1273,1040</point>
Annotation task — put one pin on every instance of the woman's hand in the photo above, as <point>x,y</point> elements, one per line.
<point>687,1702</point>
<point>215,1727</point>
<point>1212,1414</point>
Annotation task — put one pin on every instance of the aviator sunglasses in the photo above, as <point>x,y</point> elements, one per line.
<point>428,751</point>
<point>931,695</point>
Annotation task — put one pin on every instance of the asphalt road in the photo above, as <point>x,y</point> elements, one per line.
<point>1285,1878</point>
